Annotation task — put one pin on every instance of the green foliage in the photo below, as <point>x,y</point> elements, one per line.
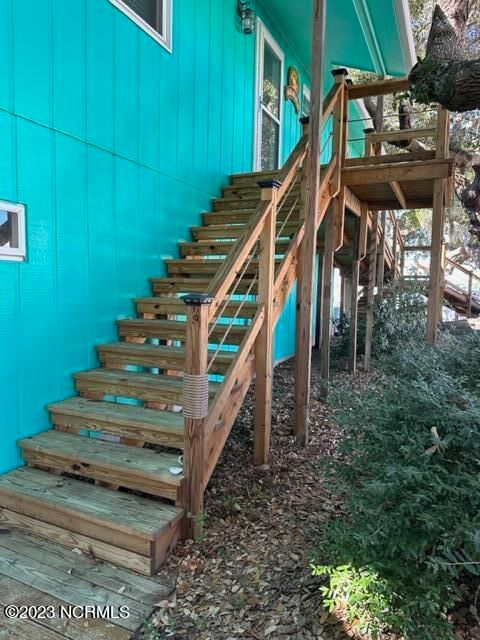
<point>411,477</point>
<point>399,317</point>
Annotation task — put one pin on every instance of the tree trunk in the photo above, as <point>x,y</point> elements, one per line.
<point>455,85</point>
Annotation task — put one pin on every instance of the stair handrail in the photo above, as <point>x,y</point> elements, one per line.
<point>207,427</point>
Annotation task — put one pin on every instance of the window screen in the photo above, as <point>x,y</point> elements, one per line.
<point>148,10</point>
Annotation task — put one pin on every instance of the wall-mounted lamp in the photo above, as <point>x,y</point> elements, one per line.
<point>247,16</point>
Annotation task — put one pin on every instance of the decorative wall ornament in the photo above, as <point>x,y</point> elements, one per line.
<point>292,90</point>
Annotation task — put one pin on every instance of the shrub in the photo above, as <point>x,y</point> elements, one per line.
<point>411,478</point>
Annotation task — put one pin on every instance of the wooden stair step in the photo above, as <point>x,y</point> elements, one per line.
<point>207,247</point>
<point>234,231</point>
<point>176,330</point>
<point>126,529</point>
<point>157,306</point>
<point>252,191</point>
<point>202,266</point>
<point>151,425</point>
<point>148,387</point>
<point>131,467</point>
<point>241,216</point>
<point>153,355</point>
<point>253,176</point>
<point>229,204</point>
<point>180,284</point>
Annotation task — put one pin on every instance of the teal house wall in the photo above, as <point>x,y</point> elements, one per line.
<point>115,146</point>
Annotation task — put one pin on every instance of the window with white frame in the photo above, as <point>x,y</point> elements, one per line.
<point>305,101</point>
<point>12,232</point>
<point>153,16</point>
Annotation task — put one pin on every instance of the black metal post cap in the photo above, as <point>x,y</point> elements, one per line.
<point>305,120</point>
<point>269,184</point>
<point>197,299</point>
<point>369,130</point>
<point>340,72</point>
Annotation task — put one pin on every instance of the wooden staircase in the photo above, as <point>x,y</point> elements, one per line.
<point>110,478</point>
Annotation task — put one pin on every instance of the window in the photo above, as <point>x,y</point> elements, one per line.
<point>305,101</point>
<point>153,16</point>
<point>12,232</point>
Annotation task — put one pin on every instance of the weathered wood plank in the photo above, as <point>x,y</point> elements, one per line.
<point>16,593</point>
<point>378,88</point>
<point>142,469</point>
<point>160,427</point>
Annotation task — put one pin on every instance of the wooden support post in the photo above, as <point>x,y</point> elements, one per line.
<point>352,356</point>
<point>318,319</point>
<point>264,342</point>
<point>395,252</point>
<point>330,239</point>
<point>372,270</point>
<point>338,139</point>
<point>381,256</point>
<point>435,285</point>
<point>342,294</point>
<point>470,295</point>
<point>306,262</point>
<point>195,409</point>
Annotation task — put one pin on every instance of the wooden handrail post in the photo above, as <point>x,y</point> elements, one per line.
<point>306,258</point>
<point>368,142</point>
<point>264,342</point>
<point>195,409</point>
<point>338,140</point>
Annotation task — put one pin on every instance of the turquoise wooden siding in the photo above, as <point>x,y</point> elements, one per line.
<point>115,147</point>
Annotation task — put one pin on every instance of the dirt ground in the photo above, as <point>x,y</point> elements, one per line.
<point>250,576</point>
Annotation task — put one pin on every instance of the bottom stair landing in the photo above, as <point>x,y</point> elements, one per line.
<point>39,573</point>
<point>117,526</point>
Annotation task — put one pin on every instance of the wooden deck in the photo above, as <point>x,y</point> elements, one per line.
<point>38,573</point>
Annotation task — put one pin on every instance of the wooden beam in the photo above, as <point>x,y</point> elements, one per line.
<point>264,342</point>
<point>415,171</point>
<point>397,190</point>
<point>403,134</point>
<point>318,319</point>
<point>326,299</point>
<point>306,263</point>
<point>372,269</point>
<point>352,203</point>
<point>362,243</point>
<point>339,219</point>
<point>379,88</point>
<point>413,156</point>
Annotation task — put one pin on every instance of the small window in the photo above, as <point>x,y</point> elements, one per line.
<point>153,16</point>
<point>305,101</point>
<point>12,232</point>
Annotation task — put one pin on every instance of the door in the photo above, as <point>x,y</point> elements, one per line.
<point>268,131</point>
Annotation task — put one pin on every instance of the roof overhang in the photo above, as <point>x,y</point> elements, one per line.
<point>364,34</point>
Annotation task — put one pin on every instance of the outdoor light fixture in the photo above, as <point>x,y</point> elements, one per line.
<point>247,16</point>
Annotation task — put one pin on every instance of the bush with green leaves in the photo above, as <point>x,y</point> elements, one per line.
<point>400,315</point>
<point>411,480</point>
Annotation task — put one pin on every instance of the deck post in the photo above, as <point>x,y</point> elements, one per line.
<point>470,295</point>
<point>195,409</point>
<point>381,255</point>
<point>306,259</point>
<point>326,309</point>
<point>352,356</point>
<point>318,319</point>
<point>372,270</point>
<point>264,342</point>
<point>436,285</point>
